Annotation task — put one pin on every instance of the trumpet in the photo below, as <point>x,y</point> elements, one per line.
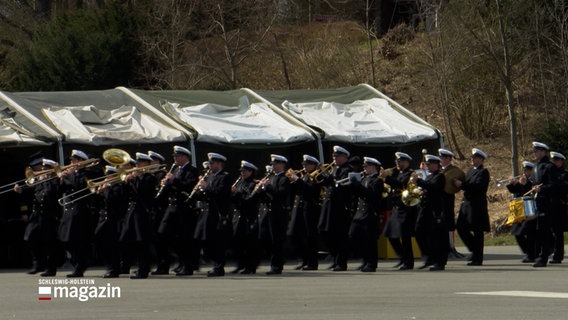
<point>291,173</point>
<point>505,181</point>
<point>353,176</point>
<point>318,175</point>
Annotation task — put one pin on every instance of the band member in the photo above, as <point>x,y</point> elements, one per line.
<point>277,188</point>
<point>213,222</point>
<point>157,214</point>
<point>402,220</point>
<point>178,224</point>
<point>558,206</point>
<point>525,231</point>
<point>473,217</point>
<point>432,216</point>
<point>543,178</point>
<point>451,173</point>
<point>245,238</point>
<point>305,214</point>
<point>364,229</point>
<point>111,217</point>
<point>136,232</point>
<point>335,217</point>
<point>75,229</point>
<point>41,230</point>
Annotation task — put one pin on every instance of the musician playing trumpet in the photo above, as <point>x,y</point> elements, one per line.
<point>525,231</point>
<point>335,217</point>
<point>302,228</point>
<point>402,221</point>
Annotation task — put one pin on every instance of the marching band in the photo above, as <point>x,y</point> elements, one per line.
<point>149,215</point>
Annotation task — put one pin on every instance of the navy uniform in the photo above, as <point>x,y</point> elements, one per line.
<point>432,216</point>
<point>558,206</point>
<point>41,230</point>
<point>75,229</point>
<point>401,223</point>
<point>473,217</point>
<point>213,223</point>
<point>302,227</point>
<point>245,217</point>
<point>277,188</point>
<point>178,224</point>
<point>157,212</point>
<point>525,231</point>
<point>335,217</point>
<point>136,232</point>
<point>364,229</point>
<point>111,217</point>
<point>544,179</point>
<point>451,174</point>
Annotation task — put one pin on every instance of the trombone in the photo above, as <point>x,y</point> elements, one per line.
<point>318,175</point>
<point>31,179</point>
<point>93,185</point>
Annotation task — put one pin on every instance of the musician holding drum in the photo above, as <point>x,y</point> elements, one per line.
<point>525,231</point>
<point>451,174</point>
<point>544,176</point>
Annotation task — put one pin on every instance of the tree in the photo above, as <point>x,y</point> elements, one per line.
<point>80,50</point>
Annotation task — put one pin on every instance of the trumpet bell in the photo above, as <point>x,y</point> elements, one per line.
<point>116,157</point>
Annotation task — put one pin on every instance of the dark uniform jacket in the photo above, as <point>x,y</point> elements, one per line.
<point>75,225</point>
<point>369,195</point>
<point>178,220</point>
<point>431,212</point>
<point>518,190</point>
<point>46,211</point>
<point>141,196</point>
<point>245,209</point>
<point>402,219</point>
<point>112,212</point>
<point>306,208</point>
<point>544,175</point>
<point>473,213</point>
<point>335,212</point>
<point>214,216</point>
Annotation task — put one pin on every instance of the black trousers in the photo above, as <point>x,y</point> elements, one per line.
<point>337,244</point>
<point>473,240</point>
<point>403,248</point>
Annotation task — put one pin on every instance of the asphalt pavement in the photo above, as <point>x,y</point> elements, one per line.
<point>503,288</point>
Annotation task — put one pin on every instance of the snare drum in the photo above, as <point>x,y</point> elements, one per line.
<point>516,211</point>
<point>530,208</point>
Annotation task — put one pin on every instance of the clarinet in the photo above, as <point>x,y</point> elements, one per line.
<point>197,187</point>
<point>174,166</point>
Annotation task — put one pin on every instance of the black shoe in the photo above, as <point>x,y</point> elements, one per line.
<point>124,270</point>
<point>367,269</point>
<point>539,264</point>
<point>527,260</point>
<point>344,268</point>
<point>310,268</point>
<point>405,267</point>
<point>137,275</point>
<point>555,261</point>
<point>48,274</point>
<point>300,266</point>
<point>178,268</point>
<point>35,270</point>
<point>273,271</point>
<point>184,272</point>
<point>425,265</point>
<point>160,272</point>
<point>437,268</point>
<point>110,275</point>
<point>248,271</point>
<point>331,267</point>
<point>236,270</point>
<point>216,273</point>
<point>399,264</point>
<point>474,263</point>
<point>75,274</point>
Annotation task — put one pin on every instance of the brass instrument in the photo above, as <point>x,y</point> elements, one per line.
<point>384,173</point>
<point>412,195</point>
<point>93,184</point>
<point>197,187</point>
<point>290,173</point>
<point>318,174</point>
<point>116,157</point>
<point>503,181</point>
<point>353,176</point>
